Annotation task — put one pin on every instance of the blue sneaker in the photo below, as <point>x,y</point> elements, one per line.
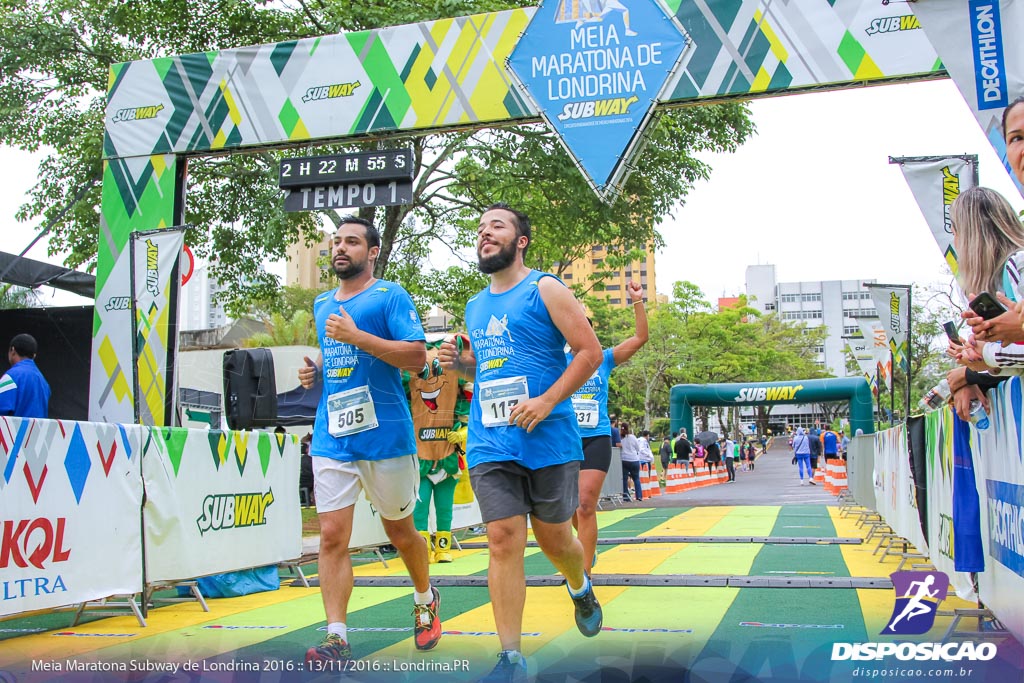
<point>506,671</point>
<point>589,616</point>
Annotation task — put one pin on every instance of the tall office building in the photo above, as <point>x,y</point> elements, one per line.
<point>614,285</point>
<point>309,267</point>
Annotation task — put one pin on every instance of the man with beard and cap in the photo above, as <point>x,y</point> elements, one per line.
<point>363,439</point>
<point>524,449</point>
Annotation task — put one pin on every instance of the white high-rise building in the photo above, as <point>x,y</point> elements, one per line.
<point>832,303</point>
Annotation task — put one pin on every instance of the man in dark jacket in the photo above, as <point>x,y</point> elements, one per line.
<point>683,448</point>
<point>815,444</point>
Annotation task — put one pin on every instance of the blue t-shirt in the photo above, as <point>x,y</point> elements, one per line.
<point>513,336</point>
<point>358,385</point>
<point>831,443</point>
<point>24,392</point>
<point>596,389</point>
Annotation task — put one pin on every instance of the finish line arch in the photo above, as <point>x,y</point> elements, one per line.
<point>438,75</point>
<point>855,390</point>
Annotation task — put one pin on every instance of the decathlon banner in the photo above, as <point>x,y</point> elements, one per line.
<point>872,329</point>
<point>939,464</point>
<point>980,45</point>
<point>895,492</point>
<point>935,182</point>
<point>893,305</point>
<point>218,501</point>
<point>999,472</point>
<point>70,500</point>
<point>155,283</point>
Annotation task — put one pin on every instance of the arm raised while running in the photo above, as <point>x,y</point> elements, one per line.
<point>570,320</point>
<point>625,350</point>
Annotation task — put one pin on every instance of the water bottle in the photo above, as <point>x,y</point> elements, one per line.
<point>936,396</point>
<point>979,416</point>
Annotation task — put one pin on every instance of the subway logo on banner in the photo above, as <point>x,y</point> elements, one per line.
<point>137,113</point>
<point>768,393</point>
<point>614,106</point>
<point>329,92</point>
<point>950,191</point>
<point>233,511</point>
<point>906,22</point>
<point>987,44</point>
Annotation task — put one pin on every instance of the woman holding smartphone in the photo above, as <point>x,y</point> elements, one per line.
<point>989,241</point>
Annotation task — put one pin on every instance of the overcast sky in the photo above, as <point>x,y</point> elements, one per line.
<point>812,192</point>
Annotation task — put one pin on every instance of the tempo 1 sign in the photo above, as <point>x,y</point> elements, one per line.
<point>350,196</point>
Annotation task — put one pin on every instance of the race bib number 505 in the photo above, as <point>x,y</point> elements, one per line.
<point>350,412</point>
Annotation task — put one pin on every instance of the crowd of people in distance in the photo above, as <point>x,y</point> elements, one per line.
<point>989,241</point>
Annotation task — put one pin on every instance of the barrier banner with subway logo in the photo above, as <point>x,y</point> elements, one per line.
<point>980,45</point>
<point>218,501</point>
<point>935,183</point>
<point>70,499</point>
<point>939,465</point>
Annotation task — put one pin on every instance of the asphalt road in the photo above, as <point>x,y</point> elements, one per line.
<point>774,481</point>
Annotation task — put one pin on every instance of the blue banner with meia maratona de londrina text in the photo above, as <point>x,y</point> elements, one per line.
<point>595,68</point>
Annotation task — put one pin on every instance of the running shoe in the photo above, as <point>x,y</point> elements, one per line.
<point>332,649</point>
<point>428,624</point>
<point>506,671</point>
<point>812,482</point>
<point>589,616</point>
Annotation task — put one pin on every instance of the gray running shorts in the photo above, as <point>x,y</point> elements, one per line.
<point>507,489</point>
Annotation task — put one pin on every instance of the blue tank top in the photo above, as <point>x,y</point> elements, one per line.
<point>596,390</point>
<point>361,390</point>
<point>519,352</point>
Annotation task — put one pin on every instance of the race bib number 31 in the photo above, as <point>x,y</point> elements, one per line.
<point>498,397</point>
<point>350,412</point>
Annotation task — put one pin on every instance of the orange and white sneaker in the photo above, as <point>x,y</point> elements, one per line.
<point>427,626</point>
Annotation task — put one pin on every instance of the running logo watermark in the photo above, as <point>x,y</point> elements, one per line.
<point>918,595</point>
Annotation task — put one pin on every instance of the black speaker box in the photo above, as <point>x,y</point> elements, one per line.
<point>250,391</point>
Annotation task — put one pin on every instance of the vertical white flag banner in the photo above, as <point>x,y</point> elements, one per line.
<point>935,183</point>
<point>872,329</point>
<point>979,42</point>
<point>860,351</point>
<point>892,303</point>
<point>155,288</point>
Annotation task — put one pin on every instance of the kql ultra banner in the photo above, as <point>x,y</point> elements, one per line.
<point>70,499</point>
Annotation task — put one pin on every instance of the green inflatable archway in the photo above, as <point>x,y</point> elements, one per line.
<point>855,390</point>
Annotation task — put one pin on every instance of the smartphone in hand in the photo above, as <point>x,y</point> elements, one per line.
<point>952,333</point>
<point>987,306</point>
